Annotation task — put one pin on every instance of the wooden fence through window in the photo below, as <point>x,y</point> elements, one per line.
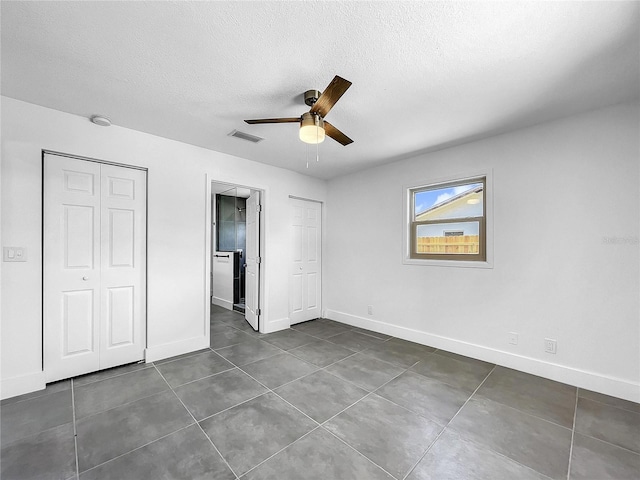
<point>454,244</point>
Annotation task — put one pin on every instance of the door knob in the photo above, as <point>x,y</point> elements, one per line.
<point>85,278</point>
<point>300,268</point>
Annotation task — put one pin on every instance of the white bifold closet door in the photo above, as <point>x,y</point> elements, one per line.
<point>94,266</point>
<point>305,283</point>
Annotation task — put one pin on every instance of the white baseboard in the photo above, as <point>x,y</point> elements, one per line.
<point>14,386</point>
<point>277,325</point>
<point>221,302</point>
<point>616,387</point>
<point>160,352</point>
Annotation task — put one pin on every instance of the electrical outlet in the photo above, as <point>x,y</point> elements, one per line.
<point>550,345</point>
<point>513,338</point>
<point>370,309</point>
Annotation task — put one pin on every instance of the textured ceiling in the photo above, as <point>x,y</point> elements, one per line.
<point>425,74</point>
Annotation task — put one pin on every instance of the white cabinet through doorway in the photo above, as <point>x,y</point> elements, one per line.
<point>94,266</point>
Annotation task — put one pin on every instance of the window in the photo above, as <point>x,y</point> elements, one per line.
<point>447,221</point>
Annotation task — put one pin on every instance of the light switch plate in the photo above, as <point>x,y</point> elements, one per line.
<point>14,254</point>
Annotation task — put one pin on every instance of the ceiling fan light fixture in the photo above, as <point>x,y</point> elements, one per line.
<point>312,128</point>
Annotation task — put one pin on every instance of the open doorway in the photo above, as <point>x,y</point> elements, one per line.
<point>235,250</point>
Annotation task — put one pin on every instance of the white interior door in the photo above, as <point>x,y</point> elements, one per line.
<point>305,287</point>
<point>252,277</point>
<point>94,266</point>
<point>123,268</point>
<point>72,267</point>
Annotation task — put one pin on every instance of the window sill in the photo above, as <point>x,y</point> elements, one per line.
<point>447,263</point>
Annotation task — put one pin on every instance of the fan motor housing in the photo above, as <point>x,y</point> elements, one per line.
<point>311,97</point>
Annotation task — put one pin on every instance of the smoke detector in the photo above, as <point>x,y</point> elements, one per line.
<point>101,120</point>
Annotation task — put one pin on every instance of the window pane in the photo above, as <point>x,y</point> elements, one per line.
<point>455,238</point>
<point>459,201</point>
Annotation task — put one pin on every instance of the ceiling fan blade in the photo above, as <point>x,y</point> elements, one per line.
<point>274,120</point>
<point>330,96</point>
<point>336,134</point>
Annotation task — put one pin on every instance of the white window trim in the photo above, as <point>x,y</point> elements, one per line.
<point>406,241</point>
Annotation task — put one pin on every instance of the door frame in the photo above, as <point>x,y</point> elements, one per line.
<point>321,240</point>
<point>45,152</point>
<point>209,180</point>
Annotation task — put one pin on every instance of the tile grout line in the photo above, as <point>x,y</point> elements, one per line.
<point>75,431</point>
<point>123,404</point>
<point>573,432</point>
<point>281,450</point>
<point>319,425</point>
<point>358,452</point>
<point>448,423</point>
<point>197,423</point>
<point>149,365</point>
<point>10,401</point>
<point>269,390</point>
<point>608,404</point>
<point>207,376</point>
<point>137,448</point>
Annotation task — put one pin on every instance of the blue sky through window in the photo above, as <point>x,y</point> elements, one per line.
<point>426,199</point>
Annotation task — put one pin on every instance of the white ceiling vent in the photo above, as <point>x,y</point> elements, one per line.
<point>246,136</point>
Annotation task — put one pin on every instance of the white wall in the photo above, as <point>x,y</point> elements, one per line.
<point>560,190</point>
<point>177,296</point>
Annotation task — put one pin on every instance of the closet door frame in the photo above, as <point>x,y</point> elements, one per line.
<point>145,245</point>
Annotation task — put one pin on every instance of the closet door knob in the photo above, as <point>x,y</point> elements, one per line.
<point>85,278</point>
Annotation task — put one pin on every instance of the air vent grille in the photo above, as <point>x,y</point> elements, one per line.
<point>246,136</point>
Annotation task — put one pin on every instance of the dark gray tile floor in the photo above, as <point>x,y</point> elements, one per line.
<point>322,400</point>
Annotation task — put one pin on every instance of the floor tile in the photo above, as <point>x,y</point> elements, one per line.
<point>454,457</point>
<point>364,371</point>
<point>405,439</point>
<point>288,339</point>
<point>608,400</point>
<point>28,417</point>
<point>193,368</point>
<point>537,396</point>
<point>54,387</point>
<point>227,337</point>
<point>108,373</point>
<point>248,352</point>
<point>531,441</point>
<point>213,394</point>
<point>355,341</point>
<point>434,400</point>
<point>321,353</point>
<point>462,374</point>
<point>49,454</point>
<point>184,455</point>
<point>319,329</point>
<point>279,369</point>
<point>321,395</point>
<point>251,432</point>
<point>318,456</point>
<point>109,434</point>
<point>591,458</point>
<point>400,352</point>
<point>115,391</point>
<point>614,425</point>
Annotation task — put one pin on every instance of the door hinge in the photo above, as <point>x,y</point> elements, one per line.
<point>258,312</point>
<point>258,208</point>
<point>258,260</point>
